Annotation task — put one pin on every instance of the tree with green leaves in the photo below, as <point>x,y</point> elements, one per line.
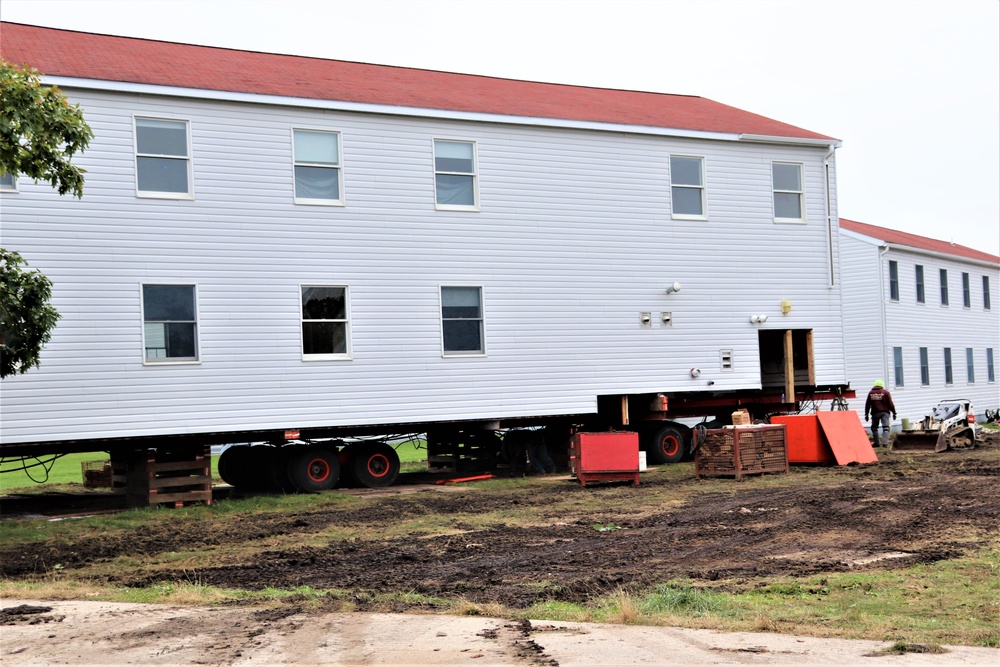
<point>26,316</point>
<point>40,132</point>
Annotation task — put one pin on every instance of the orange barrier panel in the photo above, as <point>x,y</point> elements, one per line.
<point>804,439</point>
<point>847,437</point>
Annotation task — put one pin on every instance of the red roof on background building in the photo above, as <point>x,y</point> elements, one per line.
<point>67,53</point>
<point>914,241</point>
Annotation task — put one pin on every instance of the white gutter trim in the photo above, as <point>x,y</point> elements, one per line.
<point>358,107</point>
<point>794,141</point>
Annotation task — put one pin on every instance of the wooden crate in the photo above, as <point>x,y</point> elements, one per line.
<point>746,450</point>
<point>176,477</point>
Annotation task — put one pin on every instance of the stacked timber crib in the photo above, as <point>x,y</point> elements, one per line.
<point>742,450</point>
<point>176,477</point>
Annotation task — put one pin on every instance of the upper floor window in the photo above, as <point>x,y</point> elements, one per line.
<point>455,175</point>
<point>8,182</point>
<point>162,158</point>
<point>897,366</point>
<point>786,179</point>
<point>986,292</point>
<point>325,332</point>
<point>966,291</point>
<point>317,167</point>
<point>921,297</point>
<point>687,187</point>
<point>944,286</point>
<point>462,320</point>
<point>169,323</point>
<point>893,280</point>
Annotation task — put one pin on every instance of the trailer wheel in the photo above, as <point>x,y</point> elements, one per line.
<point>244,466</point>
<point>279,473</point>
<point>374,465</point>
<point>314,468</point>
<point>666,444</point>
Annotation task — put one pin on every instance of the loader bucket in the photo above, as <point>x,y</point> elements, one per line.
<point>926,441</point>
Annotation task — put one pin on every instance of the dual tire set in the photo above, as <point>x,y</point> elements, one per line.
<point>308,468</point>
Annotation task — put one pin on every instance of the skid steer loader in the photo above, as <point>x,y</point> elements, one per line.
<point>951,425</point>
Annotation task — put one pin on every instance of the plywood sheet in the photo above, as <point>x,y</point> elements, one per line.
<point>847,437</point>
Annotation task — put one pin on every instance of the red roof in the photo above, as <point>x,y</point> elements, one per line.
<point>914,241</point>
<point>68,53</point>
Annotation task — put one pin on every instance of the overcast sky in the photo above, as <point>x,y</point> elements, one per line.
<point>911,87</point>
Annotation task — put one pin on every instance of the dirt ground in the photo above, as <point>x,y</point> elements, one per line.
<point>904,510</point>
<point>102,633</point>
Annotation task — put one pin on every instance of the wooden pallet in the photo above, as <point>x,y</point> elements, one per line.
<point>174,477</point>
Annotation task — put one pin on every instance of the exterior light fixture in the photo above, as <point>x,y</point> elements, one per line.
<point>676,287</point>
<point>758,319</point>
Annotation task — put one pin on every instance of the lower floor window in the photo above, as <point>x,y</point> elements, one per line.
<point>324,321</point>
<point>462,320</point>
<point>170,322</point>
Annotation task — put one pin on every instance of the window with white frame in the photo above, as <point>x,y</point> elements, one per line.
<point>990,369</point>
<point>970,365</point>
<point>949,377</point>
<point>893,280</point>
<point>687,186</point>
<point>162,158</point>
<point>325,333</point>
<point>169,323</point>
<point>897,365</point>
<point>455,174</point>
<point>786,179</point>
<point>986,293</point>
<point>944,286</point>
<point>318,178</point>
<point>919,269</point>
<point>925,367</point>
<point>8,182</point>
<point>462,320</point>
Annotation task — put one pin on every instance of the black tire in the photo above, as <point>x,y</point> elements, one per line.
<point>241,466</point>
<point>279,478</point>
<point>374,465</point>
<point>313,468</point>
<point>666,444</point>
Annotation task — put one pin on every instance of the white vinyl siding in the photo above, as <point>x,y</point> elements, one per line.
<point>316,157</point>
<point>563,274</point>
<point>687,187</point>
<point>162,158</point>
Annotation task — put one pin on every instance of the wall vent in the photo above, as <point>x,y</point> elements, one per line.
<point>726,360</point>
